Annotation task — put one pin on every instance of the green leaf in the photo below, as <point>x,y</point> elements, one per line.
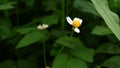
<point>110,18</point>
<point>30,38</point>
<point>8,64</point>
<point>83,53</point>
<point>76,63</point>
<point>68,41</point>
<point>101,30</point>
<point>60,61</point>
<point>109,48</point>
<point>50,20</point>
<point>113,62</point>
<point>85,6</point>
<point>77,48</point>
<point>7,6</point>
<point>26,30</point>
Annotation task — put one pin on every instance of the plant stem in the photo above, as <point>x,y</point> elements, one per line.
<point>62,14</point>
<point>44,53</point>
<point>7,15</point>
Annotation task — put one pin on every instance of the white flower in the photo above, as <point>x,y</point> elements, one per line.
<point>76,22</point>
<point>47,67</point>
<point>43,26</point>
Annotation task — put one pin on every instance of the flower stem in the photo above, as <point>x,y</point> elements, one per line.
<point>6,12</point>
<point>44,53</point>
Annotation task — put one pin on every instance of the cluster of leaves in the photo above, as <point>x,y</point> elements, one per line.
<point>25,46</point>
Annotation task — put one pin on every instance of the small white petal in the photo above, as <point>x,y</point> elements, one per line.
<point>69,20</point>
<point>78,19</point>
<point>45,26</point>
<point>76,30</point>
<point>39,27</point>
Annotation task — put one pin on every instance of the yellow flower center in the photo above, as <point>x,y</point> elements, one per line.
<point>76,23</point>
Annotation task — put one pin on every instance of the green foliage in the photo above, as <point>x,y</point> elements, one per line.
<point>8,64</point>
<point>29,2</point>
<point>26,30</point>
<point>77,49</point>
<point>68,62</point>
<point>4,29</point>
<point>112,62</point>
<point>60,61</point>
<point>85,6</point>
<point>101,30</point>
<point>111,19</point>
<point>21,64</point>
<point>109,48</point>
<point>30,38</point>
<point>24,45</point>
<point>50,20</point>
<point>7,6</point>
<point>76,63</point>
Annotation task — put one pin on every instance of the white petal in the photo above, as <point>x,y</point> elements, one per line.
<point>76,30</point>
<point>39,27</point>
<point>80,20</point>
<point>69,20</point>
<point>45,26</point>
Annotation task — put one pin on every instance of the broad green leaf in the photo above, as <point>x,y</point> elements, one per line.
<point>50,20</point>
<point>60,61</point>
<point>85,6</point>
<point>109,48</point>
<point>30,38</point>
<point>7,6</point>
<point>76,63</point>
<point>68,42</point>
<point>113,62</point>
<point>83,53</point>
<point>110,18</point>
<point>77,48</point>
<point>101,30</point>
<point>26,30</point>
<point>8,64</point>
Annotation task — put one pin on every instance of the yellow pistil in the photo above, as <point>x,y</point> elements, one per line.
<point>76,24</point>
